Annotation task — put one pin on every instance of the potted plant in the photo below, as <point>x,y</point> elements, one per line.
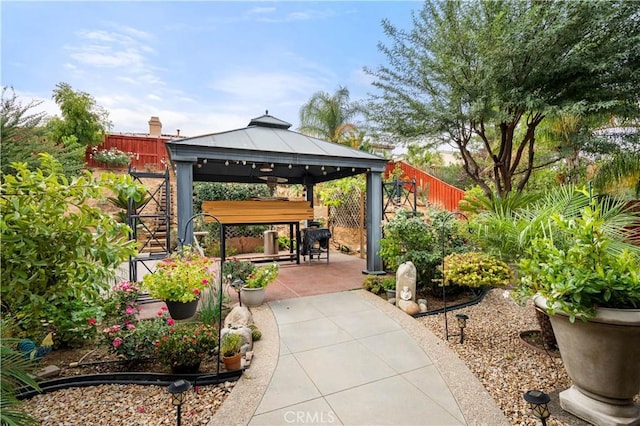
<point>230,349</point>
<point>235,269</point>
<point>389,284</point>
<point>186,345</point>
<point>589,284</point>
<point>253,290</point>
<point>179,281</point>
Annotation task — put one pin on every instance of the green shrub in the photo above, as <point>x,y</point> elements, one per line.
<point>373,283</point>
<point>256,334</point>
<point>57,251</point>
<point>475,269</point>
<point>418,239</point>
<point>389,283</point>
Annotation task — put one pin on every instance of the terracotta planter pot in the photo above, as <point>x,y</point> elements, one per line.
<point>180,310</point>
<point>253,296</point>
<point>232,363</point>
<point>602,357</point>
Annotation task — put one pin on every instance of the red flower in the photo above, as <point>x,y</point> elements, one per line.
<point>92,321</point>
<point>196,291</point>
<point>170,321</point>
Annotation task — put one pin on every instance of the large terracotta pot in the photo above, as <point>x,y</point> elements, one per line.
<point>602,358</point>
<point>253,296</point>
<point>232,363</point>
<point>181,310</point>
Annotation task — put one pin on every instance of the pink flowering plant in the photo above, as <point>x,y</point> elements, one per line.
<point>181,278</point>
<point>120,303</point>
<point>136,340</point>
<point>186,344</point>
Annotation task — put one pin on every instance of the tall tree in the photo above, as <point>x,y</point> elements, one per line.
<point>82,117</point>
<point>23,136</point>
<point>488,72</point>
<point>329,117</point>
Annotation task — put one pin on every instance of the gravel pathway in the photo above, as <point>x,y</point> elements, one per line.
<point>495,354</point>
<point>125,405</point>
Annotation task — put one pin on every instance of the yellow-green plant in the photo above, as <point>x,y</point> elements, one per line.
<point>475,269</point>
<point>181,278</point>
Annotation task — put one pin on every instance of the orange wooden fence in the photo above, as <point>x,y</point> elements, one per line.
<point>147,152</point>
<point>438,192</point>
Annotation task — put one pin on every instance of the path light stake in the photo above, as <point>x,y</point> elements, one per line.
<point>178,391</point>
<point>462,323</point>
<point>538,401</point>
<point>237,286</point>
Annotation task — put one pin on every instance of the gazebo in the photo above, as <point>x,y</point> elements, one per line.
<point>266,151</point>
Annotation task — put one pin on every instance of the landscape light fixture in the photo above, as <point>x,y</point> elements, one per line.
<point>237,285</point>
<point>178,391</point>
<point>462,324</point>
<point>538,401</point>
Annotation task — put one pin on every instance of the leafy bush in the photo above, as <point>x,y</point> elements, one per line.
<point>389,283</point>
<point>58,252</point>
<point>136,341</point>
<point>585,274</point>
<point>373,283</point>
<point>186,344</point>
<point>475,269</point>
<point>419,239</point>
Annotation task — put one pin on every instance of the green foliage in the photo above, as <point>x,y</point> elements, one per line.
<point>420,240</point>
<point>136,341</point>
<point>577,272</point>
<point>475,269</point>
<point>389,283</point>
<point>210,306</point>
<point>15,374</point>
<point>231,344</point>
<point>623,169</point>
<point>57,251</point>
<point>335,192</point>
<point>235,269</point>
<point>186,344</point>
<point>81,117</point>
<point>373,283</point>
<point>484,75</point>
<point>329,117</point>
<point>181,278</point>
<point>256,334</point>
<point>507,233</point>
<point>22,138</point>
<point>214,191</point>
<point>262,276</point>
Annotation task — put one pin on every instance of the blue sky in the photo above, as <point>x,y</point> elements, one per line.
<point>202,67</point>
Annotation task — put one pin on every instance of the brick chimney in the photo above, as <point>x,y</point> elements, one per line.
<point>155,126</point>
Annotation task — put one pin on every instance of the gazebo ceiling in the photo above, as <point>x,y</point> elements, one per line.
<point>266,147</point>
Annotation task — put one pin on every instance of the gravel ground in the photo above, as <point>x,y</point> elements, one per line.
<point>495,354</point>
<point>125,405</point>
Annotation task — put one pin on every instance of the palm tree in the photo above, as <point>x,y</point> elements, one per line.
<point>329,117</point>
<point>623,170</point>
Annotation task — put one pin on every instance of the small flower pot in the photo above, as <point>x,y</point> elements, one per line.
<point>181,310</point>
<point>253,296</point>
<point>232,363</point>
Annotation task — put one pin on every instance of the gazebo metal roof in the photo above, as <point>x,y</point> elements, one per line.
<point>267,143</point>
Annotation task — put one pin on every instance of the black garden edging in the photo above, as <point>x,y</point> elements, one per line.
<point>472,302</point>
<point>153,379</point>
